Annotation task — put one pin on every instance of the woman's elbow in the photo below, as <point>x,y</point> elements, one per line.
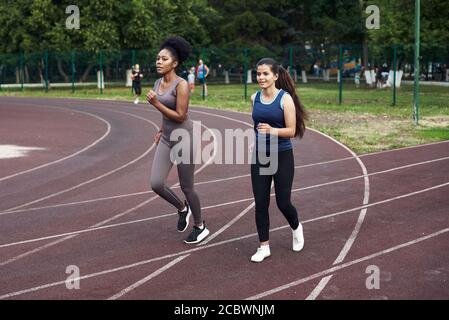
<point>291,134</point>
<point>182,118</point>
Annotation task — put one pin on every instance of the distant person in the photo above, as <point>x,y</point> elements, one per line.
<point>220,70</point>
<point>385,73</point>
<point>379,80</point>
<point>445,73</point>
<point>316,70</point>
<point>357,79</point>
<point>191,80</point>
<point>184,74</point>
<point>276,111</point>
<point>137,76</point>
<point>202,71</point>
<point>442,71</point>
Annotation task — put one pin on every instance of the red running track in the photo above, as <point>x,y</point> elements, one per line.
<point>84,200</point>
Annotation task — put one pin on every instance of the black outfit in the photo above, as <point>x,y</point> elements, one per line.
<point>283,180</point>
<point>273,114</point>
<point>136,82</point>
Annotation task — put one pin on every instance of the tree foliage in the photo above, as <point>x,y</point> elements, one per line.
<point>135,24</point>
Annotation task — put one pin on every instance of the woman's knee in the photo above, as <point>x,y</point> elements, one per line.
<point>285,205</point>
<point>261,209</point>
<point>187,189</point>
<point>157,185</point>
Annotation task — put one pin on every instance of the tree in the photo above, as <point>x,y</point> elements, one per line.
<point>397,27</point>
<point>247,23</point>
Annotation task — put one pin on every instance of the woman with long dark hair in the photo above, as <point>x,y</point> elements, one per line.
<point>170,95</point>
<point>278,116</point>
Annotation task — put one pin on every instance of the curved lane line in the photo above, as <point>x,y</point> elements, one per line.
<point>48,245</point>
<point>240,201</point>
<point>94,179</point>
<point>69,156</point>
<point>360,219</point>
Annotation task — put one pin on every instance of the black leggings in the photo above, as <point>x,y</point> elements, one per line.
<point>283,180</point>
<point>137,89</point>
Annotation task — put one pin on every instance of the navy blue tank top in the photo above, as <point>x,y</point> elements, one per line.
<point>272,114</point>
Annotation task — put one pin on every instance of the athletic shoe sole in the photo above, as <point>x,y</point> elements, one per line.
<point>254,261</point>
<point>187,219</point>
<point>200,238</point>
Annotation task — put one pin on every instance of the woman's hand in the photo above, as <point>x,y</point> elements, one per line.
<point>152,98</point>
<point>157,137</point>
<point>265,128</point>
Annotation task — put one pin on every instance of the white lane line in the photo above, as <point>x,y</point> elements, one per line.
<point>212,236</point>
<point>360,156</point>
<point>150,191</point>
<point>361,217</point>
<point>108,130</point>
<point>372,204</point>
<point>227,225</point>
<point>317,290</point>
<point>246,210</point>
<point>25,254</point>
<point>209,161</point>
<point>233,119</point>
<point>228,203</point>
<point>346,265</point>
<point>91,229</point>
<point>404,148</point>
<point>218,180</point>
<point>28,253</point>
<point>350,241</point>
<point>147,278</point>
<point>96,178</point>
<point>173,255</point>
<point>77,202</point>
<point>223,117</point>
<point>221,180</point>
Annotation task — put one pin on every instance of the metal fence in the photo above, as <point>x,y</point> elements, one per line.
<point>357,65</point>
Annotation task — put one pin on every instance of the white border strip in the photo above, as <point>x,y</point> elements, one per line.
<point>108,130</point>
<point>96,178</point>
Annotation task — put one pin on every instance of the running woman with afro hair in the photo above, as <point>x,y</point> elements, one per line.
<point>170,96</point>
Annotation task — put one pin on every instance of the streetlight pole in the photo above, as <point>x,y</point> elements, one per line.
<point>417,68</point>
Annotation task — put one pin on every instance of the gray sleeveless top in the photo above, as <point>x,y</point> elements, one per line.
<point>168,99</point>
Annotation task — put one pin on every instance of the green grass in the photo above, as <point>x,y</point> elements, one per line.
<point>366,121</point>
<point>435,133</point>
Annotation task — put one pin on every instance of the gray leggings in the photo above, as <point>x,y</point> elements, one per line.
<point>159,173</point>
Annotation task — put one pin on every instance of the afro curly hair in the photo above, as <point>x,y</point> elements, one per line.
<point>178,46</point>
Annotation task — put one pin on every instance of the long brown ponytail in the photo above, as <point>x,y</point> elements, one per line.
<point>286,83</point>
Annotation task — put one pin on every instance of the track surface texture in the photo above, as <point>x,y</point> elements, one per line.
<point>82,202</point>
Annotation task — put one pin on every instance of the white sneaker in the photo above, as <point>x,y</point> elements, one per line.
<point>262,253</point>
<point>298,238</point>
